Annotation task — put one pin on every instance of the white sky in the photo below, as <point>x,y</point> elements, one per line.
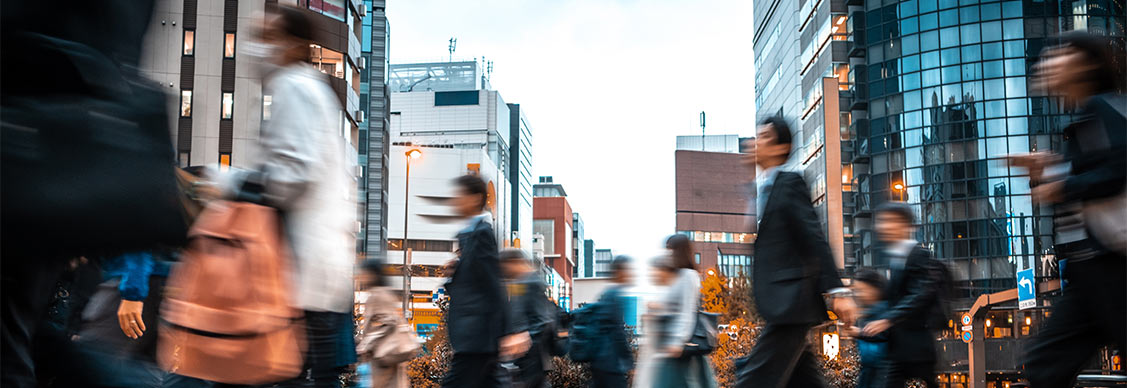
<point>606,87</point>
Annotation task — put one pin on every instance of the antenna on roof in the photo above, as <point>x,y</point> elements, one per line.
<point>489,70</point>
<point>453,46</point>
<point>702,130</point>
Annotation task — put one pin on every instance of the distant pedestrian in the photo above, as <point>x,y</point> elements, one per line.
<point>913,294</point>
<point>385,346</point>
<point>792,270</point>
<point>532,317</point>
<point>1086,186</point>
<point>868,288</point>
<point>614,360</point>
<point>477,319</point>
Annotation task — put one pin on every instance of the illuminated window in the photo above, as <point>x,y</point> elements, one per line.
<point>228,105</point>
<point>229,45</point>
<point>185,103</point>
<point>267,100</point>
<point>327,61</point>
<point>189,42</point>
<point>185,159</point>
<point>225,159</point>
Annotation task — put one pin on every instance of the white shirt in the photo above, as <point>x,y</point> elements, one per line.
<point>763,185</point>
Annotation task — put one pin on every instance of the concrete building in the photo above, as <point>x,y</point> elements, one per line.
<point>714,197</point>
<point>193,48</point>
<point>579,249</point>
<point>520,176</point>
<point>552,217</point>
<point>374,144</point>
<point>603,259</point>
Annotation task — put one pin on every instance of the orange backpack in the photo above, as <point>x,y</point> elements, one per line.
<point>228,315</point>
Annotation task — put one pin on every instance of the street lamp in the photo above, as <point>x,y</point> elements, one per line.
<point>899,187</point>
<point>413,153</point>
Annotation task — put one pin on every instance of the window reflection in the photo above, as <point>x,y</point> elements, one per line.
<point>185,103</point>
<point>229,45</point>
<point>228,107</point>
<point>327,61</point>
<point>189,42</point>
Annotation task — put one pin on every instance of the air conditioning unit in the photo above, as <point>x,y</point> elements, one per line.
<point>363,62</point>
<point>363,12</point>
<point>359,116</point>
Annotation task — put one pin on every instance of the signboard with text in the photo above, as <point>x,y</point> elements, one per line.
<point>1026,289</point>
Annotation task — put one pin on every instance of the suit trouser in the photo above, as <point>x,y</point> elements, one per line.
<point>900,372</point>
<point>1091,312</point>
<point>472,370</point>
<point>781,358</point>
<point>27,285</point>
<point>604,379</point>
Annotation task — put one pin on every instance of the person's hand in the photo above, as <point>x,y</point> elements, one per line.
<point>877,327</point>
<point>448,268</point>
<point>851,331</point>
<point>129,317</point>
<point>845,309</point>
<point>515,345</point>
<point>674,351</point>
<point>1034,162</point>
<point>1049,192</point>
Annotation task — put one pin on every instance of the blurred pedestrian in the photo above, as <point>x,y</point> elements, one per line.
<point>476,321</point>
<point>615,360</point>
<point>793,268</point>
<point>385,346</point>
<point>913,293</point>
<point>532,316</point>
<point>1086,186</point>
<point>868,288</point>
<point>674,317</point>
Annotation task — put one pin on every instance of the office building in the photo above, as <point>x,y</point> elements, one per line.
<point>194,48</point>
<point>374,144</point>
<point>520,175</point>
<point>553,218</point>
<point>581,269</point>
<point>603,259</point>
<point>714,197</point>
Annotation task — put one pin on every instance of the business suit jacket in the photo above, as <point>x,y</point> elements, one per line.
<point>616,357</point>
<point>913,296</point>
<point>477,316</point>
<point>530,310</point>
<point>793,263</point>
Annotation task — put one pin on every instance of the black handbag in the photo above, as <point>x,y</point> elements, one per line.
<point>703,341</point>
<point>88,162</point>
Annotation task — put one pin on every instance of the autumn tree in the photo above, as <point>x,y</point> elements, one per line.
<point>738,301</point>
<point>428,369</point>
<point>713,292</point>
<point>733,343</point>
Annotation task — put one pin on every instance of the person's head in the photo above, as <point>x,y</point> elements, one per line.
<point>288,32</point>
<point>664,271</point>
<point>1082,65</point>
<point>681,251</point>
<point>621,270</point>
<point>514,263</point>
<point>371,273</point>
<point>772,142</point>
<point>470,196</point>
<point>893,221</point>
<point>868,286</point>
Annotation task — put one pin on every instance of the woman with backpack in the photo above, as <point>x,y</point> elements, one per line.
<point>672,320</point>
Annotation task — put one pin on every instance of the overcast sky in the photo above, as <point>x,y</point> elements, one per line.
<point>606,86</point>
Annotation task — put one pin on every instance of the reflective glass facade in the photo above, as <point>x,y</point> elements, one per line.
<point>948,95</point>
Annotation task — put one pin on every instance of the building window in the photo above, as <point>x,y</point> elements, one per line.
<point>229,45</point>
<point>697,256</point>
<point>185,159</point>
<point>396,244</point>
<point>327,61</point>
<point>189,42</point>
<point>465,97</point>
<point>228,108</point>
<point>185,103</point>
<point>267,100</point>
<point>225,160</point>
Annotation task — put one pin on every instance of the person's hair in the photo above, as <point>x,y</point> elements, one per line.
<point>898,209</point>
<point>375,268</point>
<point>1106,54</point>
<point>513,254</point>
<point>871,278</point>
<point>474,186</point>
<point>295,22</point>
<point>782,131</point>
<point>621,263</point>
<point>681,251</point>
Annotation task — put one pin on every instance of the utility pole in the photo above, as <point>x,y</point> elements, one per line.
<point>453,45</point>
<point>702,130</point>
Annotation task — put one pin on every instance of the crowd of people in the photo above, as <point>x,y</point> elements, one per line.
<point>260,290</point>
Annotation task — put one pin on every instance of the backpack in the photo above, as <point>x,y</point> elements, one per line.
<point>587,337</point>
<point>228,315</point>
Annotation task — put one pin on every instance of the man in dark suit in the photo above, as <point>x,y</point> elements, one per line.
<point>531,318</point>
<point>477,319</point>
<point>613,362</point>
<point>792,270</point>
<point>912,296</point>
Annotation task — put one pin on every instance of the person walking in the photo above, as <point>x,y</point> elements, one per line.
<point>673,317</point>
<point>1085,185</point>
<point>913,297</point>
<point>531,316</point>
<point>381,318</point>
<point>792,270</point>
<point>868,288</point>
<point>614,361</point>
<point>477,319</point>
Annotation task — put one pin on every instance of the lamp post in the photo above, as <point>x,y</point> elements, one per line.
<point>899,187</point>
<point>413,153</point>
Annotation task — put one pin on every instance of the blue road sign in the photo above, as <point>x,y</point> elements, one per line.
<point>967,336</point>
<point>1026,289</point>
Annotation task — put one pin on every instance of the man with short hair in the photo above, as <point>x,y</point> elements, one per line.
<point>531,317</point>
<point>912,295</point>
<point>792,270</point>
<point>613,362</point>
